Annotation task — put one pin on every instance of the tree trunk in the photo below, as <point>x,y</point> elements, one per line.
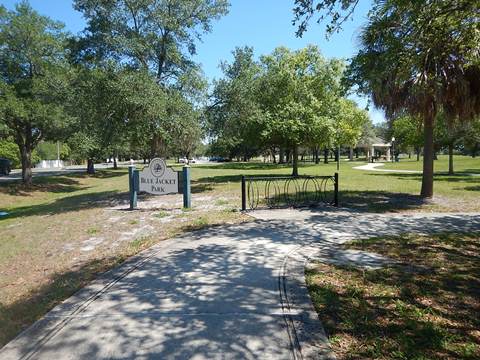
<point>281,156</point>
<point>115,165</point>
<point>90,167</point>
<point>317,156</point>
<point>337,154</point>
<point>428,154</point>
<point>350,154</point>
<point>474,150</point>
<point>325,156</point>
<point>26,155</point>
<point>274,156</point>
<point>287,156</point>
<point>295,161</point>
<point>417,150</point>
<point>450,159</point>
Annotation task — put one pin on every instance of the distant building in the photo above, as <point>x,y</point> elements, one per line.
<point>377,149</point>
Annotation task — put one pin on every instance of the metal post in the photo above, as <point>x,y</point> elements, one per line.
<point>187,195</point>
<point>393,151</point>
<point>336,190</point>
<point>58,153</point>
<point>338,158</point>
<point>133,186</point>
<point>244,195</point>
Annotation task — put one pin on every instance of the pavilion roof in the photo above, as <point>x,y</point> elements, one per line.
<point>376,142</point>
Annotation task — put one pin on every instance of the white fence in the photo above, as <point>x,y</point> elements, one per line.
<point>49,164</point>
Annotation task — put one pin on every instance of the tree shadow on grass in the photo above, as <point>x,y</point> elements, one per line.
<point>380,201</point>
<point>199,188</point>
<point>69,203</point>
<point>469,171</point>
<point>60,183</point>
<point>439,176</point>
<point>57,184</point>
<point>415,311</point>
<point>252,166</point>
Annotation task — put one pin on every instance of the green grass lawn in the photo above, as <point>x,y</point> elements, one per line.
<point>426,307</point>
<point>369,190</point>
<point>64,230</point>
<point>462,164</point>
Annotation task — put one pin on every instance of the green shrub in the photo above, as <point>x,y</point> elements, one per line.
<point>9,150</point>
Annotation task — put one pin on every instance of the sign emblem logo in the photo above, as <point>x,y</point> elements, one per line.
<point>157,167</point>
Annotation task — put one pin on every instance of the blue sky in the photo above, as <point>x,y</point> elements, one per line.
<point>263,24</point>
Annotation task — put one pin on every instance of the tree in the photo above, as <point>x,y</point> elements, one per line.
<point>419,57</point>
<point>34,91</point>
<point>338,11</point>
<point>9,150</point>
<point>156,38</point>
<point>471,140</point>
<point>350,122</point>
<point>155,34</point>
<point>438,68</point>
<point>185,130</point>
<point>234,118</point>
<point>296,92</point>
<point>187,134</point>
<point>408,132</point>
<point>50,150</point>
<point>116,104</point>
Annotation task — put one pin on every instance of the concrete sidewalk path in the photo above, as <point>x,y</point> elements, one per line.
<point>230,292</point>
<point>378,167</point>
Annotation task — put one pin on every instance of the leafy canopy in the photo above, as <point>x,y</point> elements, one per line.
<point>35,91</point>
<point>155,34</point>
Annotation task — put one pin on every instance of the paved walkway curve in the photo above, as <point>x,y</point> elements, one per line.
<point>229,292</point>
<point>376,166</point>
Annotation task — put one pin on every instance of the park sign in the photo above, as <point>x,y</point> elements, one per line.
<point>159,179</point>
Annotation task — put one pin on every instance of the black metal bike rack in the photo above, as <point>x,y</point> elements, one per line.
<point>288,191</point>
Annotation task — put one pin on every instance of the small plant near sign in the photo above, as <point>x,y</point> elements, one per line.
<point>139,244</point>
<point>91,231</point>
<point>161,214</point>
<point>221,202</point>
<point>198,224</point>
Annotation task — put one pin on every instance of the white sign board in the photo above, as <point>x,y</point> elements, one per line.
<point>158,179</point>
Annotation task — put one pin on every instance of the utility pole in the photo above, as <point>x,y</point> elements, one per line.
<point>338,157</point>
<point>58,153</point>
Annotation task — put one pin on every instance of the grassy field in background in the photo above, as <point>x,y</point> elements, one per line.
<point>369,190</point>
<point>63,231</point>
<point>462,164</point>
<point>425,307</point>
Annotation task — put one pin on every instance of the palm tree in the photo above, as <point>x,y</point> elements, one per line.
<point>422,57</point>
